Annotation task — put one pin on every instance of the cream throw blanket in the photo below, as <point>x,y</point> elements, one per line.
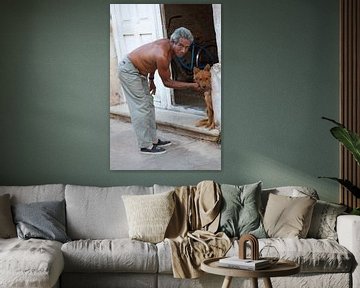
<point>191,231</point>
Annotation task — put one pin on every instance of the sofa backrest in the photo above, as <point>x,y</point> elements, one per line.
<point>36,193</point>
<point>98,212</point>
<point>163,188</point>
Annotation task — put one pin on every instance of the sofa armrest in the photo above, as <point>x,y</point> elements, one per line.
<point>348,230</point>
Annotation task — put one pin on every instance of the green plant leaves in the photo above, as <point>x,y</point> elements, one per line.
<point>355,211</point>
<point>348,138</point>
<point>351,142</point>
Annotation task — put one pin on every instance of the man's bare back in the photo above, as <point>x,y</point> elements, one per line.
<point>145,57</point>
<point>157,55</point>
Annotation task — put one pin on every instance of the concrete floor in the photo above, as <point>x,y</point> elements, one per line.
<point>185,153</point>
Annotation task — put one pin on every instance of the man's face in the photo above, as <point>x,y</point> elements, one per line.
<point>181,47</point>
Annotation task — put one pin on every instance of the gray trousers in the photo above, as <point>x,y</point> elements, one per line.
<point>140,102</point>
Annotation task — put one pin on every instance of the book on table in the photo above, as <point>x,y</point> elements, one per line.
<point>236,262</point>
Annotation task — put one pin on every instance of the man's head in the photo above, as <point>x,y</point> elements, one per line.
<point>181,39</point>
<point>181,32</point>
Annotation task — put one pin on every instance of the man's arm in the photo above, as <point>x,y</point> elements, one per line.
<point>164,72</point>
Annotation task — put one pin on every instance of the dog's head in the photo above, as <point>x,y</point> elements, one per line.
<point>203,77</point>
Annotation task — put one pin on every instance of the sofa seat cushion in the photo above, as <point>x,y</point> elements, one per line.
<point>30,263</point>
<point>313,255</point>
<point>110,255</point>
<point>164,257</point>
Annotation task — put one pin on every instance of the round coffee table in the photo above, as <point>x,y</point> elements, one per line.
<point>281,268</point>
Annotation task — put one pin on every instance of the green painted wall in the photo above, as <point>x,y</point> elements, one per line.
<point>280,75</point>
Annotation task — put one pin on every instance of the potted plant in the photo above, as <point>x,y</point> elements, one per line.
<point>351,142</point>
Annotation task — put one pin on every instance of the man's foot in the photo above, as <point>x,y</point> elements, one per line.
<point>153,150</point>
<point>162,143</point>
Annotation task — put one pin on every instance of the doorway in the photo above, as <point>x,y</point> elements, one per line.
<point>198,18</point>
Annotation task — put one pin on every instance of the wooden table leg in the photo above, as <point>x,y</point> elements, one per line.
<point>267,283</point>
<point>254,282</point>
<point>227,282</point>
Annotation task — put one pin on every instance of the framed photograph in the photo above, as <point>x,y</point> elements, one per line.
<point>165,86</point>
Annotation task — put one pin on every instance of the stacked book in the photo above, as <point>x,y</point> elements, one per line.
<point>248,264</point>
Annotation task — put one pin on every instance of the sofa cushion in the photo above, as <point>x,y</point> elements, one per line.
<point>98,213</point>
<point>313,255</point>
<point>117,255</point>
<point>291,191</point>
<point>44,220</point>
<point>240,212</point>
<point>163,188</point>
<point>288,216</point>
<point>164,257</point>
<point>30,263</point>
<point>323,222</point>
<point>36,193</point>
<point>7,226</point>
<point>148,215</point>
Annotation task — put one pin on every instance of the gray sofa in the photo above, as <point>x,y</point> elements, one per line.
<point>100,253</point>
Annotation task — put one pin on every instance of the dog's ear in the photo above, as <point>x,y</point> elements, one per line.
<point>207,67</point>
<point>196,70</point>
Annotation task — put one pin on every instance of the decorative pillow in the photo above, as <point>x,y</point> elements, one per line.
<point>291,191</point>
<point>44,220</point>
<point>240,210</point>
<point>7,226</point>
<point>288,217</point>
<point>149,215</point>
<point>323,222</point>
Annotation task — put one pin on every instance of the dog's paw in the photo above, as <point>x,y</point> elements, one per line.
<point>210,125</point>
<point>202,122</point>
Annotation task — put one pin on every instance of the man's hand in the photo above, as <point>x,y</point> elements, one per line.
<point>152,87</point>
<point>196,87</point>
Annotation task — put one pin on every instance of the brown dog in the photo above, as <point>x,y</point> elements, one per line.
<point>203,78</point>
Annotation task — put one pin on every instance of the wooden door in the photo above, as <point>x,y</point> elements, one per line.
<point>133,26</point>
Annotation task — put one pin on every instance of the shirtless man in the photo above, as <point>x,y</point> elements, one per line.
<point>136,73</point>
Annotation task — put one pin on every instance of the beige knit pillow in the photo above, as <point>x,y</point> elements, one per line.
<point>148,215</point>
<point>288,217</point>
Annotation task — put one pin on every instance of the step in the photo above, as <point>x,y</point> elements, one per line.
<point>182,123</point>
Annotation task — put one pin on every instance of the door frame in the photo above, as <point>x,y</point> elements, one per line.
<point>166,95</point>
